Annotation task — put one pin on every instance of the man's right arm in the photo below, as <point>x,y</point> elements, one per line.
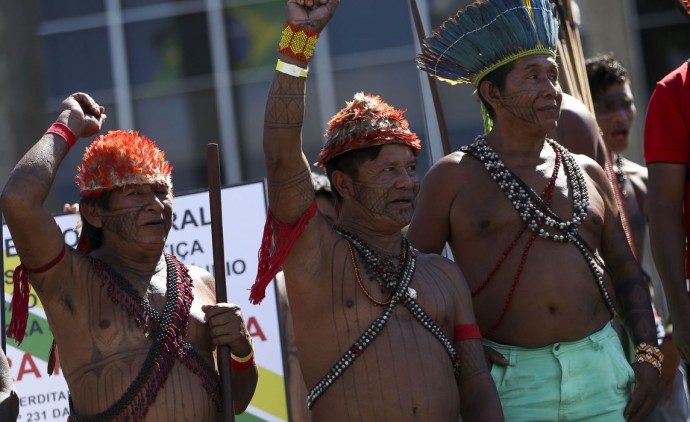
<point>290,188</point>
<point>666,192</point>
<point>36,237</point>
<point>430,226</point>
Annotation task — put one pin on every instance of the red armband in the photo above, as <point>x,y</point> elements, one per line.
<point>466,332</point>
<point>63,131</point>
<point>242,364</point>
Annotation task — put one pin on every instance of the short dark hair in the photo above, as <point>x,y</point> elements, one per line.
<point>498,78</point>
<point>349,163</point>
<point>604,70</point>
<point>94,235</point>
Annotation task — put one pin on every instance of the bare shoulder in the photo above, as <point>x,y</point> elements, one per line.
<point>449,167</point>
<point>204,282</point>
<point>591,167</point>
<point>577,128</point>
<point>634,169</point>
<point>444,269</point>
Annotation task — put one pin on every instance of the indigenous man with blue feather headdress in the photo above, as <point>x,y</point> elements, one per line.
<point>535,229</point>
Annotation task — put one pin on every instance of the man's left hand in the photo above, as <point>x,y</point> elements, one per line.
<point>644,396</point>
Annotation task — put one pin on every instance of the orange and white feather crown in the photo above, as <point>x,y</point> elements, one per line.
<point>121,158</point>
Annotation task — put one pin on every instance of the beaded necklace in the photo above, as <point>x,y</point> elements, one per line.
<point>400,293</point>
<point>537,215</point>
<point>621,177</point>
<point>379,266</point>
<point>361,285</point>
<point>167,330</point>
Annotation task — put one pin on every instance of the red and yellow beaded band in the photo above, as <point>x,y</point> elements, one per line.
<point>297,42</point>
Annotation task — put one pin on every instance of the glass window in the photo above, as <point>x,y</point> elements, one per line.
<point>181,125</point>
<point>357,31</point>
<point>646,6</point>
<point>165,50</point>
<point>253,32</point>
<point>251,104</point>
<point>664,48</point>
<point>51,9</point>
<point>69,69</point>
<point>140,3</point>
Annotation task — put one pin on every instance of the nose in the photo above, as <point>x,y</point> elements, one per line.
<point>153,202</point>
<point>550,87</point>
<point>407,179</point>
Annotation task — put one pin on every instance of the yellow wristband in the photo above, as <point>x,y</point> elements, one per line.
<point>291,69</point>
<point>244,359</point>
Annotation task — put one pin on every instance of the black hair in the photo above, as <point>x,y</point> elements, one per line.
<point>349,163</point>
<point>497,78</point>
<point>604,70</point>
<point>94,235</point>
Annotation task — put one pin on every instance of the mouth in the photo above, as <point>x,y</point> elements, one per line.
<point>155,223</point>
<point>402,202</point>
<point>621,134</point>
<point>549,109</point>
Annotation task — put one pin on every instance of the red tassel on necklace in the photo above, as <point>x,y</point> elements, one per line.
<point>20,297</point>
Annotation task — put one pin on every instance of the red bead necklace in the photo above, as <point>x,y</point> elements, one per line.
<point>547,195</point>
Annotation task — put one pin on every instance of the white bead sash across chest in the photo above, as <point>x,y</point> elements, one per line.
<point>540,218</point>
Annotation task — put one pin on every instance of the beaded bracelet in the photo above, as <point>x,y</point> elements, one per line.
<point>242,364</point>
<point>291,69</point>
<point>297,42</point>
<point>63,131</point>
<point>646,353</point>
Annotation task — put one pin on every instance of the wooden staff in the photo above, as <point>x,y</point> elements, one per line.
<point>213,162</point>
<point>440,118</point>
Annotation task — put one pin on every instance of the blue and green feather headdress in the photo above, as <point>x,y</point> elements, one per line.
<point>487,35</point>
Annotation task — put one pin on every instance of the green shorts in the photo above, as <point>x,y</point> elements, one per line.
<point>584,380</point>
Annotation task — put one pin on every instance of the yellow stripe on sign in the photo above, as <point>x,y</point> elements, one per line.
<point>270,394</point>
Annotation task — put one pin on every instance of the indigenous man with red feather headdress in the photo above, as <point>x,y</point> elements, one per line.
<point>383,332</point>
<point>136,328</point>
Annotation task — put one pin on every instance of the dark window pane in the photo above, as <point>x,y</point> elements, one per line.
<point>253,33</point>
<point>357,31</point>
<point>646,6</point>
<point>139,3</point>
<point>664,49</point>
<point>181,125</point>
<point>70,69</point>
<point>251,103</point>
<point>168,49</point>
<point>51,9</point>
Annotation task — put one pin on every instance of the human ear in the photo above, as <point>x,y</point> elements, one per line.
<point>343,183</point>
<point>490,93</point>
